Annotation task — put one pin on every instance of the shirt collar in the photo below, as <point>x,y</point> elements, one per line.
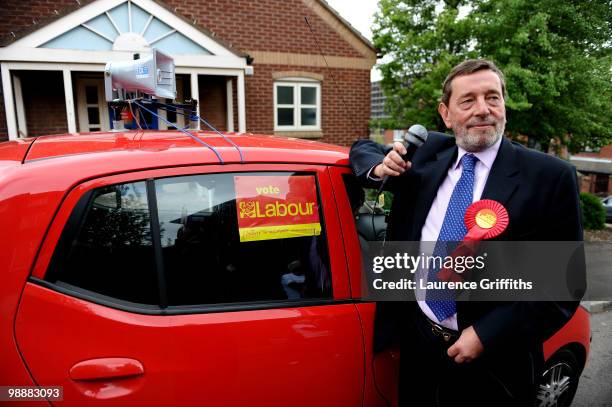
<point>487,156</point>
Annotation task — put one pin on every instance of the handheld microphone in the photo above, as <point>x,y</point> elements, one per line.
<point>414,138</point>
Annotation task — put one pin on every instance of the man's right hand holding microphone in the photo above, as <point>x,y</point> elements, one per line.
<point>397,161</point>
<point>393,164</point>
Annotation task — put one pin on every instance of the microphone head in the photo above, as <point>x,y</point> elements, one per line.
<point>417,135</point>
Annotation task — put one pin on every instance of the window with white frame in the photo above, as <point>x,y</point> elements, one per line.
<point>297,105</point>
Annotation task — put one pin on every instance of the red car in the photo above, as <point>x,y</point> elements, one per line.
<point>145,268</point>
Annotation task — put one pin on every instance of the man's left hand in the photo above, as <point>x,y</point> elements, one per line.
<point>467,348</point>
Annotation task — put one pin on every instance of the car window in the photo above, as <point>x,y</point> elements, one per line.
<point>369,209</point>
<point>106,247</point>
<point>220,238</point>
<point>212,256</point>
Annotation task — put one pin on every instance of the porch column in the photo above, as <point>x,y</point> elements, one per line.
<point>241,104</point>
<point>70,115</point>
<point>195,94</point>
<point>229,91</point>
<point>21,116</point>
<point>9,105</point>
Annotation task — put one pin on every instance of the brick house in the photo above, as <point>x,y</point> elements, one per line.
<point>254,66</point>
<point>596,170</point>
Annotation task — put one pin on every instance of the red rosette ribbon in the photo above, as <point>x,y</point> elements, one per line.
<point>484,220</point>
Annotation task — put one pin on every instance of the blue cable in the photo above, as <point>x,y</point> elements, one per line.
<point>210,126</point>
<point>222,135</point>
<point>183,131</point>
<point>143,119</point>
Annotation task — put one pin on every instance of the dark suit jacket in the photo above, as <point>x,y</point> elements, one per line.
<point>541,195</point>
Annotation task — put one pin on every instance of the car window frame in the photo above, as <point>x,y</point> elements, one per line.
<point>330,225</point>
<point>349,230</point>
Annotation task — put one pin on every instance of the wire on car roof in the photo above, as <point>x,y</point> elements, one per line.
<point>224,137</point>
<point>191,116</point>
<point>136,119</point>
<point>214,150</point>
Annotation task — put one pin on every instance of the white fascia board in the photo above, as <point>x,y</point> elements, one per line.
<point>590,159</point>
<point>49,55</point>
<point>52,66</point>
<point>188,30</point>
<point>65,24</point>
<point>210,61</point>
<point>208,71</point>
<point>86,13</point>
<point>49,66</point>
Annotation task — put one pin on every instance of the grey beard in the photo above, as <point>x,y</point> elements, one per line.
<point>475,143</point>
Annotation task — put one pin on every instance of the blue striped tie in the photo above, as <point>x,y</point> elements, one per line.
<point>453,230</point>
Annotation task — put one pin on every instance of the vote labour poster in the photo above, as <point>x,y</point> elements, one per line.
<point>276,207</point>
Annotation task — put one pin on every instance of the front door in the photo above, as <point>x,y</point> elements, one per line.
<point>91,105</point>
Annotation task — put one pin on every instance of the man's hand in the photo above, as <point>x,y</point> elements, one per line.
<point>467,348</point>
<point>392,164</point>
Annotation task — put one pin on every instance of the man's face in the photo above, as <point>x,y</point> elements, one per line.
<point>476,111</point>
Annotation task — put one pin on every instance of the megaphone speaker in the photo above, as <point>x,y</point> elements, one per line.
<point>152,75</point>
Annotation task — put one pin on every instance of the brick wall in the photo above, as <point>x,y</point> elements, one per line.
<point>19,16</point>
<point>264,25</point>
<point>213,101</point>
<point>44,102</point>
<point>604,152</point>
<point>345,102</point>
<point>589,183</point>
<point>246,25</point>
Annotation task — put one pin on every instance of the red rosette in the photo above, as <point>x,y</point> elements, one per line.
<point>485,219</point>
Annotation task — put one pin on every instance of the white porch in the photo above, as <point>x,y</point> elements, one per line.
<point>113,30</point>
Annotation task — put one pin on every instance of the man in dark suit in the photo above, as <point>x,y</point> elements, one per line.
<point>481,353</point>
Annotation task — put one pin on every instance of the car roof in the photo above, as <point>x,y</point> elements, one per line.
<point>14,150</point>
<point>253,148</point>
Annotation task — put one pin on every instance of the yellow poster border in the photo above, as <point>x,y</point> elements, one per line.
<point>279,232</point>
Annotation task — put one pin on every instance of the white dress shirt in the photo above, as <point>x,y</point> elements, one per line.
<point>435,217</point>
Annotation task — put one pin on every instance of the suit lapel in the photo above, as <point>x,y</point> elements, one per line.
<point>432,174</point>
<point>501,183</point>
<point>503,179</point>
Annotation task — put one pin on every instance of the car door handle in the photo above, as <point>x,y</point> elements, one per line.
<point>106,368</point>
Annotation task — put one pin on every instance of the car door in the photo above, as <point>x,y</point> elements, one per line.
<point>359,227</point>
<point>165,287</point>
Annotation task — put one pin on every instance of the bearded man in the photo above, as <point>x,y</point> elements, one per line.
<point>471,353</point>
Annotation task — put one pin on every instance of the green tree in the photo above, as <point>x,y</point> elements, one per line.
<point>556,56</point>
<point>593,211</point>
<point>421,43</point>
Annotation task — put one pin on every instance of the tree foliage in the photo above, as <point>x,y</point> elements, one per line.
<point>556,56</point>
<point>593,211</point>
